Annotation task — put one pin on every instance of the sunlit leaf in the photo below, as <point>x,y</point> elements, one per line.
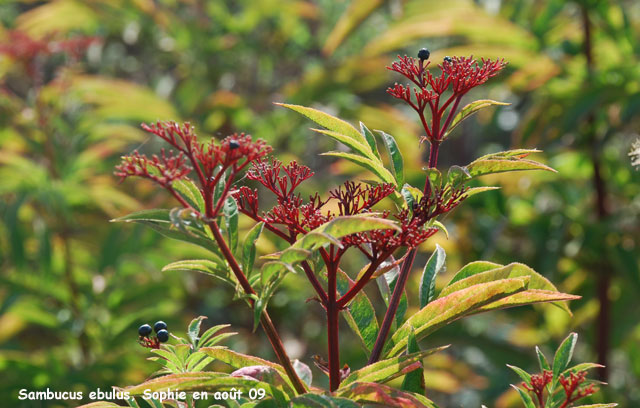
<point>396,157</point>
<point>469,110</point>
<point>348,141</point>
<point>434,265</point>
<point>504,161</point>
<point>447,309</point>
<point>373,166</point>
<point>328,121</point>
<point>203,266</point>
<point>249,248</point>
<point>563,356</point>
<point>383,395</point>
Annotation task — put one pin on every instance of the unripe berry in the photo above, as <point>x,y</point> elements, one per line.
<point>447,59</point>
<point>233,144</point>
<point>160,325</point>
<point>424,54</point>
<point>163,336</point>
<point>144,330</point>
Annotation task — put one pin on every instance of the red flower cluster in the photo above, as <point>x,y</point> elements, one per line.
<point>164,170</point>
<point>571,386</point>
<point>213,162</point>
<point>459,74</point>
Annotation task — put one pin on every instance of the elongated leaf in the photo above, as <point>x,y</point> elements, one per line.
<point>360,314</point>
<point>373,166</point>
<point>512,270</point>
<point>193,331</point>
<point>387,370</point>
<point>356,145</point>
<point>477,190</point>
<point>526,398</point>
<point>542,360</point>
<point>526,377</point>
<point>191,193</point>
<point>447,309</point>
<point>434,265</point>
<point>371,139</point>
<point>238,360</point>
<point>472,269</point>
<point>249,248</point>
<point>505,161</point>
<point>563,356</point>
<point>160,221</point>
<point>597,406</point>
<point>231,221</point>
<point>414,381</point>
<point>327,121</point>
<point>581,367</point>
<point>469,110</point>
<point>203,266</point>
<point>383,395</point>
<point>529,297</point>
<point>396,157</point>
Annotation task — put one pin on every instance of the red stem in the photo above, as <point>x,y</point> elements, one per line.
<point>265,319</point>
<point>364,279</point>
<point>332,328</point>
<point>393,307</point>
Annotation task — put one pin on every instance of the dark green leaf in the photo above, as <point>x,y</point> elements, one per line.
<point>434,265</point>
<point>249,248</point>
<point>396,157</point>
<point>231,221</point>
<point>563,356</point>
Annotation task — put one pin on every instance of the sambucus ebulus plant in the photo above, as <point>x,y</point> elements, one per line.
<point>202,178</point>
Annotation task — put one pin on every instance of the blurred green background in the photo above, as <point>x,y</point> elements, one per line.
<point>74,287</point>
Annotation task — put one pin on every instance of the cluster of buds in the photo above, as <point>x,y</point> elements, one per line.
<point>214,162</point>
<point>457,74</point>
<point>570,386</point>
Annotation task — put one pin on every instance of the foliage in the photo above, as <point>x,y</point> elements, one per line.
<point>558,385</point>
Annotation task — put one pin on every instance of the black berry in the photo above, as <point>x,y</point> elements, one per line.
<point>144,330</point>
<point>447,59</point>
<point>233,144</point>
<point>163,336</point>
<point>424,54</point>
<point>159,326</point>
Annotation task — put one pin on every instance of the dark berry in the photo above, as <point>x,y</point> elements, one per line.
<point>233,144</point>
<point>144,330</point>
<point>163,336</point>
<point>447,59</point>
<point>159,326</point>
<point>424,54</point>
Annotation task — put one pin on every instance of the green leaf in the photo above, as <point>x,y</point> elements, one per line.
<point>327,121</point>
<point>355,145</point>
<point>536,282</point>
<point>457,175</point>
<point>563,356</point>
<point>396,157</point>
<point>191,193</point>
<point>581,367</point>
<point>505,161</point>
<point>371,139</point>
<point>386,370</point>
<point>477,190</point>
<point>193,331</point>
<point>383,395</point>
<point>526,377</point>
<point>529,297</point>
<point>469,110</point>
<point>435,178</point>
<point>597,406</point>
<point>238,360</point>
<point>204,266</point>
<point>526,398</point>
<point>360,314</point>
<point>472,269</point>
<point>249,248</point>
<point>414,381</point>
<point>411,195</point>
<point>160,221</point>
<point>434,265</point>
<point>209,337</point>
<point>231,221</point>
<point>445,310</point>
<point>374,166</point>
<point>542,360</point>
